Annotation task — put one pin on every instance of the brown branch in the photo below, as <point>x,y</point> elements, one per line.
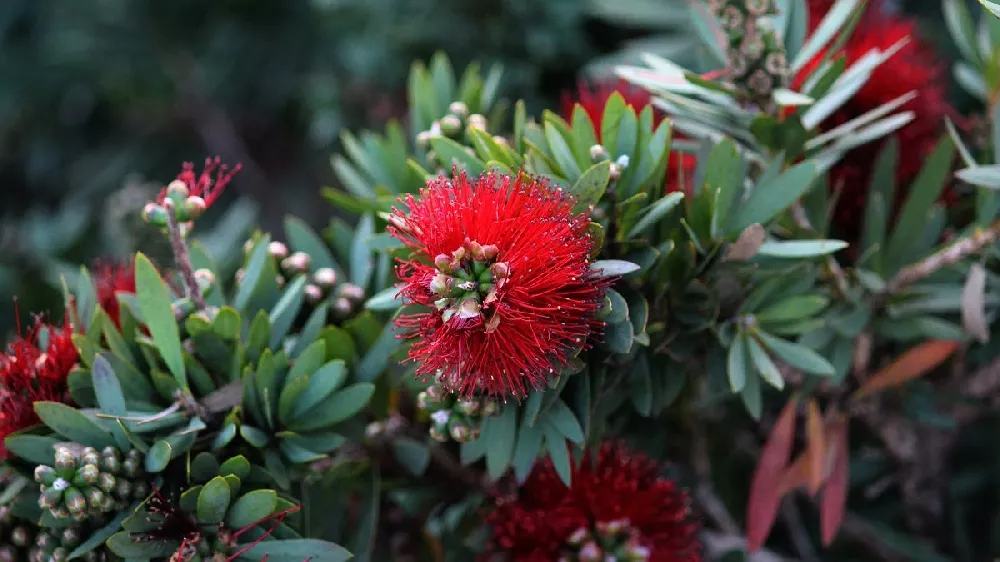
<point>182,256</point>
<point>944,258</point>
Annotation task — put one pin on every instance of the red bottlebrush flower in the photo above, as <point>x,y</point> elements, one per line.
<point>204,185</point>
<point>619,509</point>
<point>915,67</point>
<point>593,97</point>
<point>503,264</point>
<point>111,279</point>
<point>34,369</point>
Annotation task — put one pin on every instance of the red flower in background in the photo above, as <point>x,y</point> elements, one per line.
<point>915,67</point>
<point>34,369</point>
<point>503,264</point>
<point>111,279</point>
<point>619,507</point>
<point>204,185</point>
<point>593,98</point>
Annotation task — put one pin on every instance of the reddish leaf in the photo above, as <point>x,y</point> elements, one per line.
<point>816,448</point>
<point>796,475</point>
<point>913,364</point>
<point>833,499</point>
<point>765,496</point>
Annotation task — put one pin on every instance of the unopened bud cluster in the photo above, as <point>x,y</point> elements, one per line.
<point>177,200</point>
<point>87,484</point>
<point>757,60</point>
<point>599,154</point>
<point>454,418</point>
<point>454,125</point>
<point>346,298</point>
<point>467,282</point>
<point>23,542</point>
<point>611,540</point>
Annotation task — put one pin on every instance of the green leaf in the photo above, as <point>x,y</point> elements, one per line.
<point>796,355</point>
<point>238,466</point>
<point>736,365</point>
<point>251,508</point>
<point>641,386</point>
<point>213,501</point>
<point>613,268</point>
<point>132,549</point>
<point>562,419</point>
<point>769,198</point>
<point>386,299</point>
<point>764,365</point>
<point>158,315</point>
<point>253,272</point>
<point>618,307</point>
<point>832,23</point>
<point>924,192</point>
<point>800,248</point>
<point>339,407</point>
<point>98,537</point>
<point>296,550</point>
<point>559,454</point>
<point>500,432</point>
<point>654,213</point>
<point>529,443</point>
<point>792,308</point>
<point>283,314</point>
<point>107,388</point>
<point>361,255</point>
<point>619,337</point>
<point>452,153</point>
<point>73,424</point>
<point>364,535</point>
<point>561,151</point>
<point>412,454</point>
<point>158,457</point>
<point>591,186</point>
<point>378,357</point>
<point>36,449</point>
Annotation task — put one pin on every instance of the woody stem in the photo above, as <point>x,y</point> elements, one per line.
<point>182,257</point>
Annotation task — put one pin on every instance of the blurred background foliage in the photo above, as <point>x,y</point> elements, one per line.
<point>101,101</point>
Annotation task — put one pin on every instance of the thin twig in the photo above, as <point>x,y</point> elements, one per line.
<point>182,257</point>
<point>944,258</point>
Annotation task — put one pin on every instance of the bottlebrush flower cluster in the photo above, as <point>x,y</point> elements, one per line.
<point>33,369</point>
<point>617,508</point>
<point>109,280</point>
<point>502,264</point>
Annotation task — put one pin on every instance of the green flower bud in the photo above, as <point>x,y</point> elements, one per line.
<point>298,262</point>
<point>75,502</point>
<point>598,153</point>
<point>89,456</point>
<point>178,191</point>
<point>458,108</point>
<point>490,408</point>
<point>438,434</point>
<point>59,554</point>
<point>130,467</point>
<point>45,541</point>
<point>95,499</point>
<point>20,537</point>
<point>325,278</point>
<point>192,208</point>
<point>71,537</point>
<point>351,292</point>
<point>451,125</point>
<point>44,475</point>
<point>106,482</point>
<point>86,475</point>
<point>477,121</point>
<point>468,407</point>
<point>154,214</point>
<point>123,489</point>
<point>342,308</point>
<point>590,552</point>
<point>460,432</point>
<point>65,461</point>
<point>313,294</point>
<point>424,139</point>
<point>140,490</point>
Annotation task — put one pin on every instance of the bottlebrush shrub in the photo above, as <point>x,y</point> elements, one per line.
<point>443,380</point>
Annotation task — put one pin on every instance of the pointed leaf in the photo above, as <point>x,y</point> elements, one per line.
<point>833,500</point>
<point>911,365</point>
<point>158,315</point>
<point>762,506</point>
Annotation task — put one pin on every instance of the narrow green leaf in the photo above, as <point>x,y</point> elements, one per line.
<point>361,255</point>
<point>767,199</point>
<point>500,432</point>
<point>591,186</point>
<point>107,388</point>
<point>213,501</point>
<point>764,365</point>
<point>559,454</point>
<point>736,365</point>
<point>252,507</point>
<point>73,424</point>
<point>339,407</point>
<point>252,273</point>
<point>562,419</point>
<point>158,457</point>
<point>800,248</point>
<point>386,299</point>
<point>796,355</point>
<point>158,315</point>
<point>613,268</point>
<point>655,212</point>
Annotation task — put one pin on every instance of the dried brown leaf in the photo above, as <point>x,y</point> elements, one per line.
<point>833,499</point>
<point>816,448</point>
<point>748,243</point>
<point>765,496</point>
<point>913,364</point>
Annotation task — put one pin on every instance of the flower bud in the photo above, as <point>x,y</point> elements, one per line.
<point>296,263</point>
<point>205,279</point>
<point>615,172</point>
<point>123,489</point>
<point>451,125</point>
<point>374,429</point>
<point>438,434</point>
<point>20,537</point>
<point>468,407</point>
<point>458,108</point>
<point>443,263</point>
<point>313,294</point>
<point>193,207</point>
<point>279,280</point>
<point>130,468</point>
<point>477,121</point>
<point>460,432</point>
<point>423,402</point>
<point>88,474</point>
<point>277,250</point>
<point>342,308</point>
<point>502,141</point>
<point>59,554</point>
<point>248,247</point>
<point>423,139</point>
<point>140,490</point>
<point>590,552</point>
<point>240,274</point>
<point>490,251</point>
<point>75,501</point>
<point>598,153</point>
<point>154,214</point>
<point>351,292</point>
<point>95,498</point>
<point>44,475</point>
<point>71,536</point>
<point>440,284</point>
<point>500,270</point>
<point>89,456</point>
<point>470,308</point>
<point>490,408</point>
<point>325,277</point>
<point>178,191</point>
<point>106,482</point>
<point>578,536</point>
<point>65,461</point>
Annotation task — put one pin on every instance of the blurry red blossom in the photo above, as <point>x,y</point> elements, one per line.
<point>113,278</point>
<point>34,368</point>
<point>593,97</point>
<point>503,265</point>
<point>915,67</point>
<point>617,508</point>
